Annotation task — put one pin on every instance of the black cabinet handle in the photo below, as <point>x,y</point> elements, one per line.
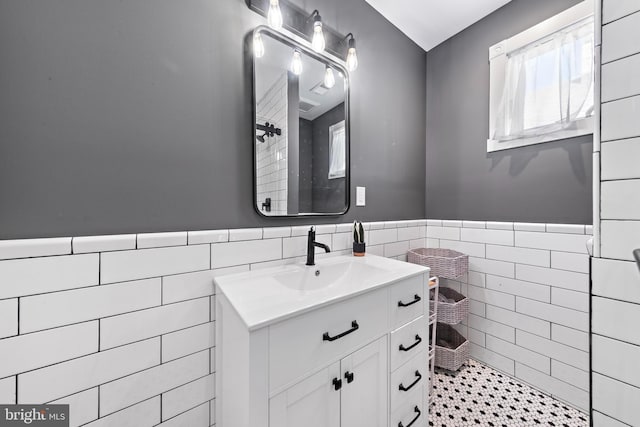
<point>349,376</point>
<point>636,255</point>
<point>416,298</point>
<point>417,411</point>
<point>354,327</point>
<point>419,377</point>
<point>418,341</point>
<point>337,383</point>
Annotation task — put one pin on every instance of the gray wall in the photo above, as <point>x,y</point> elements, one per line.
<point>293,143</point>
<point>542,183</point>
<point>305,198</point>
<point>133,116</point>
<point>318,193</point>
<point>328,194</point>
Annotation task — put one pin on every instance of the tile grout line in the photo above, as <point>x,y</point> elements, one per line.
<point>109,316</point>
<point>113,348</point>
<point>604,24</point>
<point>18,314</point>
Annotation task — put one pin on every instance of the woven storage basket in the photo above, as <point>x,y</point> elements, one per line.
<point>451,359</point>
<point>450,313</point>
<point>444,263</point>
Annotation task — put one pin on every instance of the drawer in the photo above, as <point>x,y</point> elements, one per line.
<point>412,412</point>
<point>407,378</point>
<point>406,301</point>
<point>408,341</point>
<point>302,344</point>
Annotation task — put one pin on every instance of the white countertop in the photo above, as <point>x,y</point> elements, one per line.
<point>260,297</point>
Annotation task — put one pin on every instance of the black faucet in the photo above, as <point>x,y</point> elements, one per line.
<point>311,247</point>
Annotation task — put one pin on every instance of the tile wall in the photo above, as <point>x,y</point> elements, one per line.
<point>122,327</point>
<point>271,155</point>
<point>528,286</point>
<point>616,280</point>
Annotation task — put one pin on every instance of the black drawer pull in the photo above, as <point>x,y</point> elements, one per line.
<point>416,298</point>
<point>337,383</point>
<point>417,411</point>
<point>354,327</point>
<point>349,377</point>
<point>418,341</point>
<point>403,388</point>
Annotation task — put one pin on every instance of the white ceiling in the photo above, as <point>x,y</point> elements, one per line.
<point>430,22</point>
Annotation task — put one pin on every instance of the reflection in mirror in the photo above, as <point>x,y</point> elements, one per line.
<point>301,130</point>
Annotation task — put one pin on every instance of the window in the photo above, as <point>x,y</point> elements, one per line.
<point>337,150</point>
<point>542,82</point>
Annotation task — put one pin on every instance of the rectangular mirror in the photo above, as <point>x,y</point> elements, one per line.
<point>301,124</point>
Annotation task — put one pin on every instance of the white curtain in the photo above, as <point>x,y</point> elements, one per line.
<point>337,150</point>
<point>548,84</point>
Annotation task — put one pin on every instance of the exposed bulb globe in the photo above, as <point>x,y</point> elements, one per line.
<point>318,42</point>
<point>296,63</point>
<point>329,78</point>
<point>274,16</point>
<point>352,59</point>
<point>258,45</point>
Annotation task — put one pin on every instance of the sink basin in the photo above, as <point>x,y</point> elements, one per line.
<point>266,296</point>
<point>309,278</point>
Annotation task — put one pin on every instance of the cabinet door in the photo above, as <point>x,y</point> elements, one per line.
<point>365,387</point>
<point>313,402</point>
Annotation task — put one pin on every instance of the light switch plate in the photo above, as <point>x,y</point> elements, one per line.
<point>360,196</point>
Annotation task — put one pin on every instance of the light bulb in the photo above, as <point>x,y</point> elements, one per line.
<point>296,63</point>
<point>318,42</point>
<point>274,16</point>
<point>258,45</point>
<point>329,78</point>
<point>352,59</point>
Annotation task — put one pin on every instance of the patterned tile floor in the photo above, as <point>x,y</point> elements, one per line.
<point>479,396</point>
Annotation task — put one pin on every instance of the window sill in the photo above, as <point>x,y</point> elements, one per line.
<point>580,128</point>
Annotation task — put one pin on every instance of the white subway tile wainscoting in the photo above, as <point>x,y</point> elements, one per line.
<point>271,153</point>
<point>615,297</point>
<point>528,286</point>
<point>128,321</point>
<point>122,327</point>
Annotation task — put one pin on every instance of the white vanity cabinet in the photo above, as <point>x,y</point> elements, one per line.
<point>351,392</point>
<point>358,360</point>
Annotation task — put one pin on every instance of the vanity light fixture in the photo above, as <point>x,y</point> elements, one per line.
<point>296,63</point>
<point>274,16</point>
<point>317,41</point>
<point>258,45</point>
<point>287,16</point>
<point>352,56</point>
<point>329,78</point>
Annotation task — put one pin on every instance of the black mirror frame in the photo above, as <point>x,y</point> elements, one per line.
<point>301,45</point>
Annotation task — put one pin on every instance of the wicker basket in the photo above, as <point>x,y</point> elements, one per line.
<point>450,313</point>
<point>451,359</point>
<point>444,263</point>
